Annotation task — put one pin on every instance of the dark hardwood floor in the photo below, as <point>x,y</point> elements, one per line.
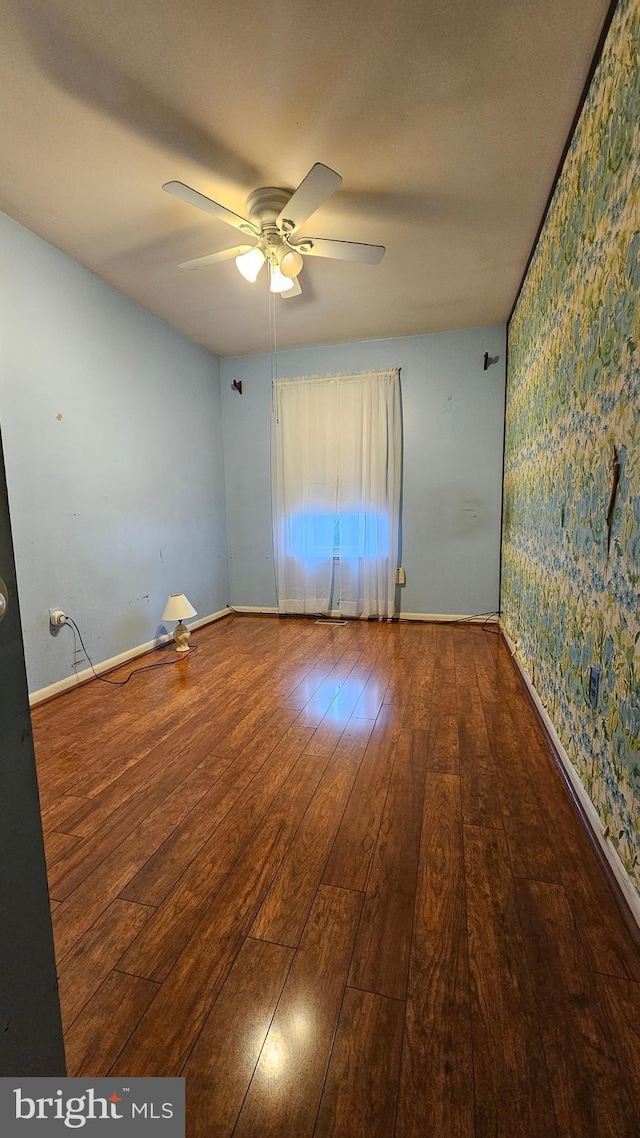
<point>332,876</point>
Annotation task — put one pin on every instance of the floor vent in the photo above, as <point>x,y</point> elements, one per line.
<point>328,621</point>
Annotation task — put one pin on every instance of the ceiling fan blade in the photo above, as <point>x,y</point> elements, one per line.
<point>313,190</point>
<point>342,250</point>
<point>213,258</point>
<point>179,190</point>
<point>295,291</point>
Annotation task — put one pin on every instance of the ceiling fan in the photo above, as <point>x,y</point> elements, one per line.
<point>273,225</point>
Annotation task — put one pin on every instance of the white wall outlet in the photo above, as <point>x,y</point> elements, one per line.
<point>56,618</point>
<point>401,577</point>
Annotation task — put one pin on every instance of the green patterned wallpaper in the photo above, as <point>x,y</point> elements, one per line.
<point>570,558</point>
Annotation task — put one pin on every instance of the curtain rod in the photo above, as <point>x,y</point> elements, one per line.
<point>341,375</point>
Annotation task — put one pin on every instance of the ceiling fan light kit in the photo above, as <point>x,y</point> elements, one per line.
<point>275,216</point>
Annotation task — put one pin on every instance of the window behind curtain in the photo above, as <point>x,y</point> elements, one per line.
<point>336,493</point>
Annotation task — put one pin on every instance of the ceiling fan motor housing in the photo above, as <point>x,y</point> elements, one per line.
<point>265,204</point>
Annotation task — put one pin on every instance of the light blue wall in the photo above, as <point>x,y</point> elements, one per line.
<point>120,501</point>
<point>453,429</point>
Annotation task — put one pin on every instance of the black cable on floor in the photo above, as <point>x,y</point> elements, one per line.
<point>144,668</point>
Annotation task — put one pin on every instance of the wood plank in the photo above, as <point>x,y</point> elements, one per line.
<point>418,708</point>
<point>347,698</point>
<point>285,1090</point>
<point>285,909</point>
<point>444,754</point>
<point>63,808</point>
<point>372,696</point>
<point>329,735</point>
<point>159,874</point>
<point>268,670</point>
<point>72,870</point>
<point>478,784</point>
<point>308,686</point>
<point>412,636</point>
<point>84,969</point>
<point>221,1065</point>
<point>78,912</point>
<point>586,1078</point>
<point>397,692</point>
<point>192,985</point>
<point>315,710</point>
<point>358,730</point>
<point>608,943</point>
<point>187,712</point>
<point>373,642</point>
<point>57,846</point>
<point>487,649</point>
<point>622,1009</point>
<point>528,838</point>
<point>154,952</point>
<point>445,652</point>
<point>324,741</point>
<point>436,1094</point>
<point>444,745</point>
<point>350,858</point>
<point>260,730</point>
<point>511,1081</point>
<point>136,782</point>
<point>126,737</point>
<point>96,1038</point>
<point>381,954</point>
<point>359,1095</point>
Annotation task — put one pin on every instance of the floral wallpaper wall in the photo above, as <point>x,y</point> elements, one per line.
<point>571,543</point>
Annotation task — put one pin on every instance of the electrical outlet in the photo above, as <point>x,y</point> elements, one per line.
<point>57,618</point>
<point>401,577</point>
<point>594,685</point>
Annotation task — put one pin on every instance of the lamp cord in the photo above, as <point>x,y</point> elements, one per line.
<point>145,668</point>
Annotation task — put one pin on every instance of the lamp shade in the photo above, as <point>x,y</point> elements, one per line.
<point>250,263</point>
<point>278,282</point>
<point>290,261</point>
<point>178,608</point>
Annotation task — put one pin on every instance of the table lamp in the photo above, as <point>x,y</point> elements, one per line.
<point>178,608</point>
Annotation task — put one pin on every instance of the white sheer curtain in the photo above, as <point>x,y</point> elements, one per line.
<point>336,493</point>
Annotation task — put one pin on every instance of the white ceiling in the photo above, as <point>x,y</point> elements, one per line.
<point>445,118</point>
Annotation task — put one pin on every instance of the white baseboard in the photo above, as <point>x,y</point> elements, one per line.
<point>444,618</point>
<point>266,611</point>
<point>86,674</point>
<point>448,618</point>
<point>627,886</point>
<point>259,609</point>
